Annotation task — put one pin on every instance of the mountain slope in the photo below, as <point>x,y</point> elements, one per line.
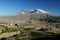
<point>26,15</point>
<point>31,15</point>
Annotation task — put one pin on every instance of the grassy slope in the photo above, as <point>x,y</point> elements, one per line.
<point>32,31</point>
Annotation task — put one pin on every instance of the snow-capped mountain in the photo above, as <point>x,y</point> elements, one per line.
<point>26,15</point>
<point>40,11</point>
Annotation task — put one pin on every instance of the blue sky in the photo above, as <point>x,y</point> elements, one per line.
<point>13,6</point>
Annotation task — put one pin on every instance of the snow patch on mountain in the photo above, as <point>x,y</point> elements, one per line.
<point>42,11</point>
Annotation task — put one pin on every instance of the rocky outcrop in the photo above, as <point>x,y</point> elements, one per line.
<point>9,34</point>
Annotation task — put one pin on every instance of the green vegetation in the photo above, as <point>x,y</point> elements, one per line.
<point>51,19</point>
